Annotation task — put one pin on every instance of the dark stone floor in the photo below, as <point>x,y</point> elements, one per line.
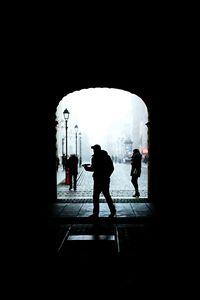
<point>115,256</point>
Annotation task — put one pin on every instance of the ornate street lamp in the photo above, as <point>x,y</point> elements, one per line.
<point>66,117</point>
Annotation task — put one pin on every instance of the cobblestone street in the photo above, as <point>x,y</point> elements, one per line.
<point>120,185</point>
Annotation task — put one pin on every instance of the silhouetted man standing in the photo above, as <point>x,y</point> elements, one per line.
<point>102,168</point>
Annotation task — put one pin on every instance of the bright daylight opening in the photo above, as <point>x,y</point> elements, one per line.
<point>112,118</point>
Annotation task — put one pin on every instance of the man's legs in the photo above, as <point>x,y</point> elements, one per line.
<point>96,194</point>
<point>75,180</point>
<point>106,193</point>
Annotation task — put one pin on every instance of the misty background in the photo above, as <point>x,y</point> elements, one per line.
<point>113,118</point>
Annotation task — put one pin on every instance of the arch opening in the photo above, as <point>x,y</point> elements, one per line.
<point>117,120</point>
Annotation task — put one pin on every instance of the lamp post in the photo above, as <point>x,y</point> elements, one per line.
<point>66,117</point>
<point>76,131</point>
<point>62,146</point>
<point>80,159</point>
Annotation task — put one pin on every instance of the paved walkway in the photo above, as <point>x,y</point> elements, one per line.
<point>120,184</point>
<point>63,212</point>
<point>119,250</point>
<point>107,255</point>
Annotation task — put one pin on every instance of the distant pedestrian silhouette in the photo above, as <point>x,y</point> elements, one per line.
<point>136,160</point>
<point>72,164</point>
<point>102,168</point>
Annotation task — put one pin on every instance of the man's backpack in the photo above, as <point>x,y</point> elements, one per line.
<point>109,165</point>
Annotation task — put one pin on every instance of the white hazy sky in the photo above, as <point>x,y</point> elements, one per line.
<point>96,110</point>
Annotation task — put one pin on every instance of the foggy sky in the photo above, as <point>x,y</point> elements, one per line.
<point>104,116</point>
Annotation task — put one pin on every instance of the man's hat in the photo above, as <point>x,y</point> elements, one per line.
<point>97,147</point>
